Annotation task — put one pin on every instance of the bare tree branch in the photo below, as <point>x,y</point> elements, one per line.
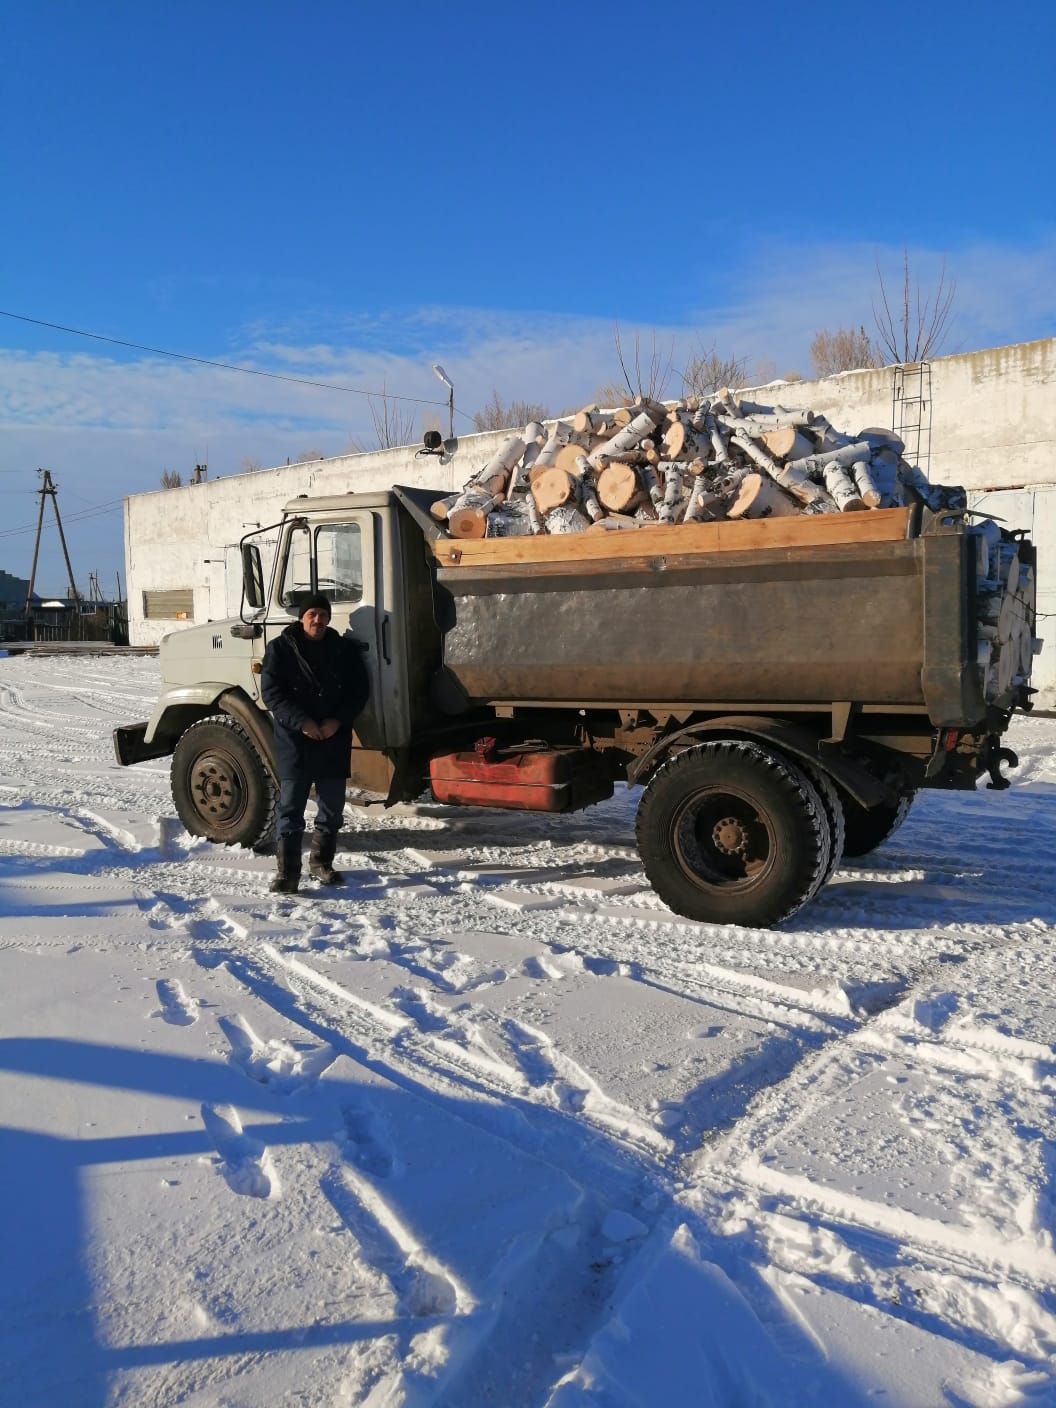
<point>497,415</point>
<point>706,372</point>
<point>392,425</point>
<point>924,323</point>
<point>845,350</point>
<point>636,385</point>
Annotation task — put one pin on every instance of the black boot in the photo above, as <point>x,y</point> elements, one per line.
<point>321,858</point>
<point>288,864</point>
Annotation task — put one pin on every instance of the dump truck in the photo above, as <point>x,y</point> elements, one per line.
<point>778,689</point>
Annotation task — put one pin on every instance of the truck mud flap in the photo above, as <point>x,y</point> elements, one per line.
<point>130,746</point>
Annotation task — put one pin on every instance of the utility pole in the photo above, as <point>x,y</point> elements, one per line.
<point>48,488</point>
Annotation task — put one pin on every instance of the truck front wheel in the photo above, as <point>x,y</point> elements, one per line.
<point>220,784</point>
<point>731,833</point>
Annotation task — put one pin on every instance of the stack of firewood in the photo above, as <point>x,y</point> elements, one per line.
<point>688,461</point>
<point>1007,610</point>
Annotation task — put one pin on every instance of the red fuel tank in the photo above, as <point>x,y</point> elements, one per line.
<point>523,778</point>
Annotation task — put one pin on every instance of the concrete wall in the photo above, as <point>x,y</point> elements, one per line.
<point>992,429</point>
<point>993,413</point>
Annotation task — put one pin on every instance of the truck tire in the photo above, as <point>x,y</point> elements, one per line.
<point>834,812</point>
<point>731,833</point>
<point>868,827</point>
<point>221,785</point>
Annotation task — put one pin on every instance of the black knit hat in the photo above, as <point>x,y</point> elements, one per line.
<point>319,602</point>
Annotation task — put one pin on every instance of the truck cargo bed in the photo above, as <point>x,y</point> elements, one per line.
<point>799,611</point>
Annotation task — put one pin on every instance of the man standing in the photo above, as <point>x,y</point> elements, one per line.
<point>315,683</point>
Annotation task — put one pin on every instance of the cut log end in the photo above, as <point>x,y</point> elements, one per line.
<point>467,523</point>
<point>617,487</point>
<point>760,497</point>
<point>552,488</point>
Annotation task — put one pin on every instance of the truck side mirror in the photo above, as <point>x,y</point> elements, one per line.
<point>252,576</point>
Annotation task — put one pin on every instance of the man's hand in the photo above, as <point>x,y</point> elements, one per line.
<point>311,729</point>
<point>329,727</point>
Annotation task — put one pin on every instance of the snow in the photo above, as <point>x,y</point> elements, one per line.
<point>488,1125</point>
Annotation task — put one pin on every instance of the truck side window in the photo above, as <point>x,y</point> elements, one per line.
<point>339,561</point>
<point>297,569</point>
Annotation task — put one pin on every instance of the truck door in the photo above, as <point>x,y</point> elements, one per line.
<point>338,559</point>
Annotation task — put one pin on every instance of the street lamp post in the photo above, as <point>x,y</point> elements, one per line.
<point>438,369</point>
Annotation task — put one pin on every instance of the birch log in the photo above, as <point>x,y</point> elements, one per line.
<point>825,436</point>
<point>667,511</point>
<point>441,507</point>
<point>789,476</point>
<point>862,474</point>
<point>568,457</point>
<point>787,443</point>
<point>625,415</point>
<point>883,470</point>
<point>625,440</point>
<point>840,485</point>
<point>845,456</point>
<point>469,517</point>
<point>589,498</point>
<point>719,444</point>
<point>496,473</point>
<point>551,488</point>
<point>508,521</point>
<point>726,403</point>
<point>535,439</point>
<point>679,442</point>
<point>880,438</point>
<point>730,483</point>
<point>703,505</point>
<point>591,421</point>
<point>652,486</point>
<point>617,486</point>
<point>566,519</point>
<point>760,497</point>
<point>559,437</point>
<point>911,477</point>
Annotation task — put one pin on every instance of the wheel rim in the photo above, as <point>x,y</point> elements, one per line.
<point>721,839</point>
<point>218,789</point>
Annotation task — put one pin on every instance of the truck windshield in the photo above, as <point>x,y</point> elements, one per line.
<point>335,567</point>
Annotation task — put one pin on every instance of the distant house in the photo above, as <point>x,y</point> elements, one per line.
<point>13,594</point>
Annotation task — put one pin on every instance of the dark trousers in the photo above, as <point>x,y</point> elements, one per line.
<point>293,797</point>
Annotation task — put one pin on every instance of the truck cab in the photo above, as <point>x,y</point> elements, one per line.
<point>362,553</point>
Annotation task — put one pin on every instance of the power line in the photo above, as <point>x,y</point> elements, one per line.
<point>95,511</point>
<point>222,366</point>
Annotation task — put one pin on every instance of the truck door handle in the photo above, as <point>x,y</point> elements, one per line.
<point>386,640</point>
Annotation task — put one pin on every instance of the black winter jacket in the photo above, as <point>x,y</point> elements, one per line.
<point>334,687</point>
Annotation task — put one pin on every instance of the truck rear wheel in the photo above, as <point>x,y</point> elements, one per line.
<point>869,827</point>
<point>220,784</point>
<point>834,813</point>
<point>731,833</point>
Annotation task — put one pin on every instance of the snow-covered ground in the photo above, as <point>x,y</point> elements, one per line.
<point>490,1126</point>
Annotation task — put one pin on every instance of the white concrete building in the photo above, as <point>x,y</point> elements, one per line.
<point>988,422</point>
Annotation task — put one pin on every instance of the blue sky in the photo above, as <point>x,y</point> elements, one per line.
<point>349,193</point>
